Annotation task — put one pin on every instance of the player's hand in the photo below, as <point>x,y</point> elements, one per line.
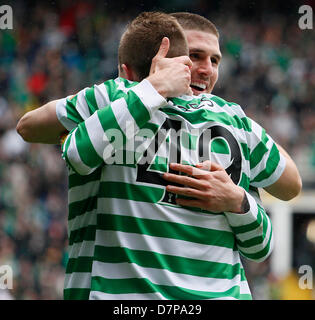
<point>209,185</point>
<point>170,76</point>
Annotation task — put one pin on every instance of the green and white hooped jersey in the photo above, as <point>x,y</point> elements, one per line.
<point>129,238</point>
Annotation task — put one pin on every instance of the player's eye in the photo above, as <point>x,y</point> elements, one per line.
<point>194,56</point>
<point>214,60</point>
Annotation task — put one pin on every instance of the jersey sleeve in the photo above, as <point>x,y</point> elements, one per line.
<point>253,229</point>
<point>74,109</point>
<point>266,162</point>
<point>96,139</point>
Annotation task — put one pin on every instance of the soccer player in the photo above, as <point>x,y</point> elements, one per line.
<point>146,246</point>
<point>43,126</point>
<point>75,209</point>
<point>204,51</point>
<point>84,192</point>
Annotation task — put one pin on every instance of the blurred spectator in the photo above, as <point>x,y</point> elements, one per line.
<point>57,48</point>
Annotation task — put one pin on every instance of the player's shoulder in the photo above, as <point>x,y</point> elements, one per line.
<point>115,88</point>
<point>219,101</point>
<point>216,100</point>
<point>211,102</point>
<point>118,84</point>
<point>224,105</point>
<point>233,109</point>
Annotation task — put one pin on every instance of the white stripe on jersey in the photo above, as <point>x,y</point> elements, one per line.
<point>125,120</point>
<point>97,295</point>
<point>61,112</point>
<point>79,193</point>
<point>82,249</point>
<point>80,280</point>
<point>81,105</point>
<point>159,212</point>
<point>96,133</point>
<point>83,220</point>
<point>101,96</point>
<point>77,161</point>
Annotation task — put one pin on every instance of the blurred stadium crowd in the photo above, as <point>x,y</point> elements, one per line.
<point>59,47</point>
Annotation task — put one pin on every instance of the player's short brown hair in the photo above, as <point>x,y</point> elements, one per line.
<point>193,21</point>
<point>142,38</point>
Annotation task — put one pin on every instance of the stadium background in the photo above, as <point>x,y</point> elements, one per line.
<point>58,47</point>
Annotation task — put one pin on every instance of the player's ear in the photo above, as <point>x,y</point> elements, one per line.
<point>128,73</point>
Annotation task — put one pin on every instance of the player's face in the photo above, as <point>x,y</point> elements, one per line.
<point>204,52</point>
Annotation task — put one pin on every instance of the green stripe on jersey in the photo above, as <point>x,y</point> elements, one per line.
<point>165,229</point>
<point>271,165</point>
<point>259,151</point>
<point>90,100</point>
<point>106,116</point>
<point>146,259</point>
<point>245,180</point>
<point>121,190</point>
<point>111,89</point>
<point>83,234</point>
<point>87,154</point>
<point>245,151</point>
<point>78,208</point>
<point>76,293</point>
<point>257,255</point>
<point>80,264</point>
<point>221,102</point>
<point>205,115</point>
<point>72,113</point>
<point>140,114</point>
<point>75,180</point>
<point>252,226</point>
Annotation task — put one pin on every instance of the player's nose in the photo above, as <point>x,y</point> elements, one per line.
<point>206,67</point>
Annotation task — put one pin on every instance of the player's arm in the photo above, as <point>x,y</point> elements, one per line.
<point>271,166</point>
<point>41,125</point>
<point>209,187</point>
<point>106,131</point>
<point>47,123</point>
<point>289,185</point>
<point>253,230</point>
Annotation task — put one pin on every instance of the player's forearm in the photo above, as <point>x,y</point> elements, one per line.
<point>289,185</point>
<point>41,125</point>
<point>252,230</point>
<point>275,171</point>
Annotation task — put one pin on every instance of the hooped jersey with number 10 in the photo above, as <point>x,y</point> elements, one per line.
<point>128,239</point>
